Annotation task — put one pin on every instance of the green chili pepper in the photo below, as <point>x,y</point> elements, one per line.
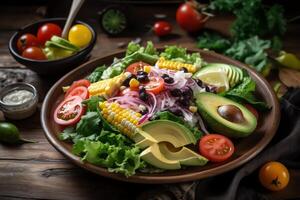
<point>289,60</point>
<point>10,134</point>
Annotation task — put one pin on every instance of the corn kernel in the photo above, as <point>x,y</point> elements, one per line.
<point>193,109</point>
<point>147,69</point>
<point>133,83</point>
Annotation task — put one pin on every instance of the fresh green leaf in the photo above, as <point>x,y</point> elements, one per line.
<point>96,74</point>
<point>276,44</point>
<point>244,93</point>
<point>68,134</point>
<point>92,103</point>
<point>170,116</point>
<point>150,49</point>
<point>132,48</point>
<point>89,124</point>
<point>213,41</point>
<point>276,20</point>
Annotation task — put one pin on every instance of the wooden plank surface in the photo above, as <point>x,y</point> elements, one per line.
<point>38,171</point>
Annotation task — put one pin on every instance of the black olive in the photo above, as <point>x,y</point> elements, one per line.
<point>184,101</point>
<point>143,96</point>
<point>199,82</point>
<point>165,76</point>
<point>143,78</point>
<point>188,93</point>
<point>207,89</point>
<point>142,89</point>
<point>169,80</point>
<point>142,73</point>
<point>176,112</point>
<point>185,70</point>
<point>127,80</point>
<point>175,92</point>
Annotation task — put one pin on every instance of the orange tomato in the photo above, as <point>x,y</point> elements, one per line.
<point>274,176</point>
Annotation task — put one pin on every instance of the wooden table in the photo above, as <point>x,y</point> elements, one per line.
<point>38,171</point>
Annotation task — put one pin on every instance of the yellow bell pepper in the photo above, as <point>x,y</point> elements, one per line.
<point>289,60</point>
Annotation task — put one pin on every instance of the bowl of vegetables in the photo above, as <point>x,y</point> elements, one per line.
<point>39,45</point>
<point>164,115</point>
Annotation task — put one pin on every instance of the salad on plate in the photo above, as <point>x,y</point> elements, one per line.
<point>153,111</point>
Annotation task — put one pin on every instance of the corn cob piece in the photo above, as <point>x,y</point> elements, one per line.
<point>107,87</point>
<point>124,119</point>
<point>175,65</point>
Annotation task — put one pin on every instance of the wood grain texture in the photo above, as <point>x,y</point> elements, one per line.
<point>38,171</point>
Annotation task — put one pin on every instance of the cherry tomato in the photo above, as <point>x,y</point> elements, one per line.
<point>162,28</point>
<point>27,40</point>
<point>75,84</point>
<point>135,67</point>
<point>189,18</point>
<point>274,176</point>
<point>80,35</point>
<point>35,53</point>
<point>216,148</point>
<point>69,111</point>
<point>80,91</point>
<point>252,110</point>
<point>46,31</point>
<point>155,85</point>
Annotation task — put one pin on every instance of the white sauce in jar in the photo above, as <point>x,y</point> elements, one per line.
<point>17,97</point>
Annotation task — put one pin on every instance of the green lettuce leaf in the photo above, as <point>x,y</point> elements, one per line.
<point>89,124</point>
<point>96,74</point>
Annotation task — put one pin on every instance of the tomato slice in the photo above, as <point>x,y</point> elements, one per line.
<point>135,67</point>
<point>75,84</point>
<point>155,85</point>
<point>216,148</point>
<point>80,91</point>
<point>69,111</point>
<point>252,110</point>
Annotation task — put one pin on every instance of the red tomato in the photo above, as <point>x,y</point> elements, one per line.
<point>80,91</point>
<point>215,147</point>
<point>162,28</point>
<point>69,111</point>
<point>252,109</point>
<point>155,85</point>
<point>75,84</point>
<point>27,40</point>
<point>46,31</point>
<point>35,53</point>
<point>135,67</point>
<point>189,18</point>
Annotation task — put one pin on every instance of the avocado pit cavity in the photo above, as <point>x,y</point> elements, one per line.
<point>231,113</point>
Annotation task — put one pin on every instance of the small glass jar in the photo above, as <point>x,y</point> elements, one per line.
<point>22,110</point>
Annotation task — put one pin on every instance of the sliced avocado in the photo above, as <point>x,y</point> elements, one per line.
<point>64,42</point>
<point>169,131</point>
<point>184,155</point>
<point>233,73</point>
<point>143,139</point>
<point>209,105</point>
<point>153,156</point>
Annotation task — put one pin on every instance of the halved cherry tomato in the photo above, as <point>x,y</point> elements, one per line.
<point>27,40</point>
<point>252,110</point>
<point>155,85</point>
<point>162,28</point>
<point>216,148</point>
<point>80,91</point>
<point>69,111</point>
<point>135,67</point>
<point>35,53</point>
<point>75,84</point>
<point>46,31</point>
<point>274,176</point>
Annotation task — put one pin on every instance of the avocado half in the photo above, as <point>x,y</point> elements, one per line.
<point>208,104</point>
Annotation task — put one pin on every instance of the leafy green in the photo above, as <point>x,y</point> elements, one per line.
<point>135,47</point>
<point>96,74</point>
<point>213,41</point>
<point>276,20</point>
<point>244,93</point>
<point>89,124</point>
<point>68,134</point>
<point>251,51</point>
<point>111,151</point>
<point>180,54</point>
<point>170,116</point>
<point>92,103</point>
